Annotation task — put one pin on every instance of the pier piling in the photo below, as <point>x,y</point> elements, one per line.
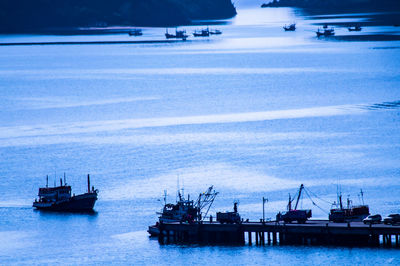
<point>312,233</point>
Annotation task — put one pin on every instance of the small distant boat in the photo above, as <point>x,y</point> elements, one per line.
<point>354,28</point>
<point>325,32</point>
<point>201,33</point>
<point>291,27</point>
<point>136,32</point>
<point>215,32</point>
<point>169,35</point>
<point>179,34</point>
<point>325,26</point>
<point>60,199</point>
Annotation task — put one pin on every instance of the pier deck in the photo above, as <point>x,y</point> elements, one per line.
<point>320,232</point>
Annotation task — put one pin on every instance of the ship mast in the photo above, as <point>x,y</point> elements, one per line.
<point>88,183</point>
<point>362,196</point>
<point>204,202</point>
<point>298,196</point>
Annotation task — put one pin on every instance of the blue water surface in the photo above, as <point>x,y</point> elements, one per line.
<point>255,112</point>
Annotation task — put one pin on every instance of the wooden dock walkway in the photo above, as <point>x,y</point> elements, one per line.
<point>313,232</point>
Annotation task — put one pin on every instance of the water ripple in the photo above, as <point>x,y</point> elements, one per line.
<point>384,105</point>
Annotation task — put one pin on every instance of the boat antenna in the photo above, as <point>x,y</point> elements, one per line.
<point>177,185</point>
<point>362,196</point>
<point>47,180</point>
<point>88,183</point>
<point>165,197</point>
<point>183,188</point>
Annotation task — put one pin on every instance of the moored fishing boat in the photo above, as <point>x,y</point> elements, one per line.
<point>326,32</point>
<point>340,214</point>
<point>291,27</point>
<point>184,210</point>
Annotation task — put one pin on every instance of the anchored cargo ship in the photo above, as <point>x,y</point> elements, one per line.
<point>60,199</point>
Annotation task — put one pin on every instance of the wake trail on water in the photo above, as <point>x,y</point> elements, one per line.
<point>115,125</point>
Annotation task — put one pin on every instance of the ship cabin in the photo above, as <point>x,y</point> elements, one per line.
<point>51,194</point>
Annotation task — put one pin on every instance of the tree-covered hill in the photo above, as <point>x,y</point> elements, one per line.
<point>36,15</point>
<point>335,5</point>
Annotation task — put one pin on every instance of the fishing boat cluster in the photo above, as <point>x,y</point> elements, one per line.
<point>326,31</point>
<point>181,34</point>
<point>196,211</point>
<point>187,210</point>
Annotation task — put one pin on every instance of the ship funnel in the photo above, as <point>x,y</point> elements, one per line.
<point>88,183</point>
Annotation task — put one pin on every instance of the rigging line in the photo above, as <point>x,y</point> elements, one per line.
<point>314,202</point>
<point>324,211</point>
<point>318,197</point>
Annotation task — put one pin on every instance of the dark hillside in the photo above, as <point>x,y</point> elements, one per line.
<point>332,6</point>
<point>34,15</point>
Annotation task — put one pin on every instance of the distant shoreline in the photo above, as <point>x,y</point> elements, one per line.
<point>88,42</point>
<point>377,12</point>
<point>336,6</point>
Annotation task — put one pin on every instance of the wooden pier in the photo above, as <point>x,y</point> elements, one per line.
<point>313,232</point>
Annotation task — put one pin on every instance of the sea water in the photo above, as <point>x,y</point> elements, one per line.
<point>255,112</point>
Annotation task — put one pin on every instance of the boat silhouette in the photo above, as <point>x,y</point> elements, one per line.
<point>59,198</point>
<point>291,27</point>
<point>179,34</point>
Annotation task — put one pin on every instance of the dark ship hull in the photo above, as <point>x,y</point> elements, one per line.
<point>79,203</point>
<point>153,230</point>
<point>61,199</point>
